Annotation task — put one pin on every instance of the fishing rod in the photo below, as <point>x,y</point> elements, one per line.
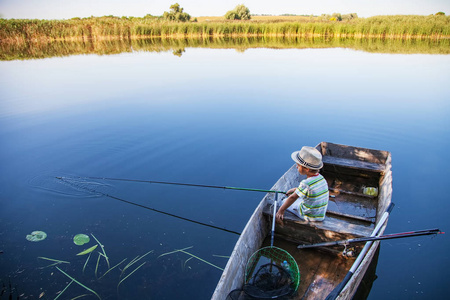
<point>176,183</point>
<point>374,238</point>
<point>146,207</point>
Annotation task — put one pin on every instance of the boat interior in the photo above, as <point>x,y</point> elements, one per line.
<point>351,213</point>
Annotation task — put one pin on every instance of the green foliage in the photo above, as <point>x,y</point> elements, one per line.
<point>440,13</point>
<point>240,12</point>
<point>339,17</point>
<point>101,28</point>
<point>176,14</point>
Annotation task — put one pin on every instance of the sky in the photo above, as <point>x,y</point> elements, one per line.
<point>66,9</point>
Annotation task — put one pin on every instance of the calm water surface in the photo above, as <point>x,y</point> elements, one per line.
<point>216,117</point>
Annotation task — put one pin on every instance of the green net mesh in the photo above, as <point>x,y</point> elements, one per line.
<point>271,272</point>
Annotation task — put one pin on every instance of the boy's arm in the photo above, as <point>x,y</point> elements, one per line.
<point>291,191</point>
<point>288,202</point>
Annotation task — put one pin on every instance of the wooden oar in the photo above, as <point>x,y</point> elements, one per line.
<point>337,290</point>
<point>375,238</point>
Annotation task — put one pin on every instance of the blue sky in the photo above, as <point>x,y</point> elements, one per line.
<point>66,9</point>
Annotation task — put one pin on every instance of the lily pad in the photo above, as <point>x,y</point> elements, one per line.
<point>87,250</point>
<point>36,236</point>
<point>81,239</point>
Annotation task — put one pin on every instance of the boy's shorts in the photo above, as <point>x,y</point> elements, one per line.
<point>294,208</point>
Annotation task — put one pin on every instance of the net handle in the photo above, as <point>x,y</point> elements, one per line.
<point>273,221</point>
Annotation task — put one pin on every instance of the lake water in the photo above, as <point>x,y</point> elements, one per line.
<point>216,117</point>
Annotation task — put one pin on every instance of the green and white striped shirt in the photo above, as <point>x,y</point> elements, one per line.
<point>313,198</point>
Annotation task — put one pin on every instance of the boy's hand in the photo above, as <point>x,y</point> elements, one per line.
<point>280,216</point>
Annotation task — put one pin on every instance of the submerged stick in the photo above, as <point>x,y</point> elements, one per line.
<point>92,291</point>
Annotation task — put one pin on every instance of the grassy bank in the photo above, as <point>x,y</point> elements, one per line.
<point>101,28</point>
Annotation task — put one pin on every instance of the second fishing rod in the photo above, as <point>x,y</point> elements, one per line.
<point>175,183</point>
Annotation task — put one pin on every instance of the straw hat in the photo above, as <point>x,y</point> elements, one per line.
<point>309,157</point>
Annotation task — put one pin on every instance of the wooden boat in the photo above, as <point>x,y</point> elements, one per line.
<point>351,213</point>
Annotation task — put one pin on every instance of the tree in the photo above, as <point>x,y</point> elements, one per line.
<point>240,12</point>
<point>176,14</point>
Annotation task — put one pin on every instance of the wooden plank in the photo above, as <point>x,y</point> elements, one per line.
<point>353,164</point>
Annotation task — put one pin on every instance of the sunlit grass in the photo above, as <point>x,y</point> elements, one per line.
<point>101,28</point>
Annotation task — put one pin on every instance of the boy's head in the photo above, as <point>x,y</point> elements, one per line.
<point>308,157</point>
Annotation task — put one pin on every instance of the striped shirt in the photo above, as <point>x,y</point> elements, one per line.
<point>313,198</point>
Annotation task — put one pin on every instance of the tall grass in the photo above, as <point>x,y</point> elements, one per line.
<point>402,26</point>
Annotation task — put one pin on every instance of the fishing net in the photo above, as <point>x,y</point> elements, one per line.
<point>271,273</point>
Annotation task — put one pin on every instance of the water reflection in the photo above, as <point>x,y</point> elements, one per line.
<point>31,50</point>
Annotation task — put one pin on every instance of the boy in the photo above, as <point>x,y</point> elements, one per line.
<point>309,200</point>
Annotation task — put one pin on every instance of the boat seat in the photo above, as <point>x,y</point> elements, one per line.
<point>353,164</point>
<point>312,232</point>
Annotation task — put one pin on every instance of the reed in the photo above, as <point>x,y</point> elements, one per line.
<point>87,260</point>
<point>55,262</point>
<point>129,275</point>
<point>103,249</point>
<point>200,259</point>
<point>79,283</point>
<point>113,268</point>
<point>135,260</point>
<point>108,28</point>
<point>59,295</point>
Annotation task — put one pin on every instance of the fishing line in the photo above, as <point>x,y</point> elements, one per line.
<point>177,183</point>
<point>146,207</point>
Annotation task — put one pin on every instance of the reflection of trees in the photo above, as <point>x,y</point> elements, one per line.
<point>36,50</point>
<point>178,52</point>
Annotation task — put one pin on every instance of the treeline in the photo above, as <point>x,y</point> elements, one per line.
<point>110,27</point>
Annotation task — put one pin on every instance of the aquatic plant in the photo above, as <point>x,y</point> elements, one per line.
<point>103,249</point>
<point>87,259</point>
<point>56,262</point>
<point>135,260</point>
<point>89,250</point>
<point>81,239</point>
<point>175,251</point>
<point>112,268</point>
<point>59,295</point>
<point>36,236</point>
<point>192,255</point>
<point>73,279</point>
<point>201,260</point>
<point>129,275</point>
